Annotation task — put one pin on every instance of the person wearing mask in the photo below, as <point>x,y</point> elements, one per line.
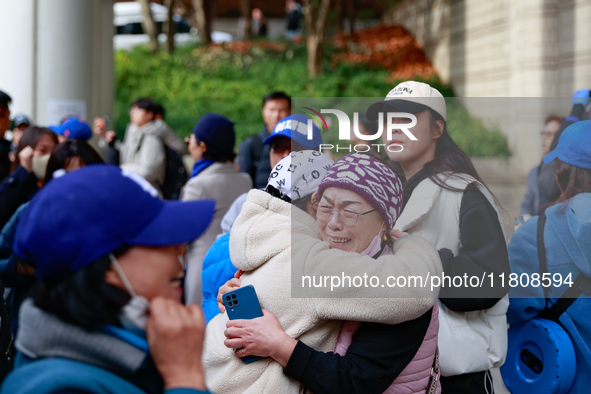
<point>106,316</point>
<point>217,265</point>
<point>446,203</point>
<point>33,152</point>
<point>67,157</point>
<point>532,201</point>
<point>566,230</point>
<point>252,154</point>
<point>5,162</point>
<point>214,177</point>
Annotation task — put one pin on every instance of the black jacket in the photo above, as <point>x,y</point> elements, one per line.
<point>377,355</point>
<point>253,158</point>
<point>17,189</point>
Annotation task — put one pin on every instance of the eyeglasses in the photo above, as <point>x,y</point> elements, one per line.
<point>547,134</point>
<point>347,216</point>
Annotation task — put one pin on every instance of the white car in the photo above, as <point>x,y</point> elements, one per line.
<point>128,20</point>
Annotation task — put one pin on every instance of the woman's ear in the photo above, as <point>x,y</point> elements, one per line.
<point>439,127</point>
<point>203,146</point>
<point>314,198</point>
<point>112,277</point>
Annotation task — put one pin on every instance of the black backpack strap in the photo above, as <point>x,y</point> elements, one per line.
<point>542,249</point>
<point>581,285</point>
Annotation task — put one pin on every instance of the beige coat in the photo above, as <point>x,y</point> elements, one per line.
<point>273,241</point>
<point>143,152</point>
<point>222,183</point>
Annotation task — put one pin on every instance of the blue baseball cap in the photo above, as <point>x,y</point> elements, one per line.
<point>217,132</point>
<point>87,214</point>
<point>295,127</point>
<point>73,128</point>
<point>574,146</point>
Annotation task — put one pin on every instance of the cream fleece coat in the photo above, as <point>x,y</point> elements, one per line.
<point>273,241</point>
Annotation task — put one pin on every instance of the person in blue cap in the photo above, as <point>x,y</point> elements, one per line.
<point>106,316</point>
<point>72,128</point>
<point>291,134</point>
<point>214,177</point>
<point>566,236</point>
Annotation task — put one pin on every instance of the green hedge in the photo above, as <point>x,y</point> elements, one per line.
<point>197,80</point>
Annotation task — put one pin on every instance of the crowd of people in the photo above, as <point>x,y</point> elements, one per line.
<point>117,260</point>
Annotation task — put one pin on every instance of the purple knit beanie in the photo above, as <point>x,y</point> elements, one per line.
<point>369,178</point>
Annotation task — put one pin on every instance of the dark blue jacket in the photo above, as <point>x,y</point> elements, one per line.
<point>567,238</point>
<point>18,188</point>
<point>20,286</point>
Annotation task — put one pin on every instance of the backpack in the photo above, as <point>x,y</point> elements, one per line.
<point>175,176</point>
<point>541,355</point>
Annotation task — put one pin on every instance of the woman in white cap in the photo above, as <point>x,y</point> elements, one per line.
<point>446,202</point>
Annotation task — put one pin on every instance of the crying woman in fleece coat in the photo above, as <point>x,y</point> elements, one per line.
<point>273,239</point>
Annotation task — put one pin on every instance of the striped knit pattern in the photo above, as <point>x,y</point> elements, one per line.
<point>369,178</point>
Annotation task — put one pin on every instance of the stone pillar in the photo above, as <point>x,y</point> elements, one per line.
<point>58,57</point>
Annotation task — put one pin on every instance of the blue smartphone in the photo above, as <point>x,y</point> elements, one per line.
<point>243,303</point>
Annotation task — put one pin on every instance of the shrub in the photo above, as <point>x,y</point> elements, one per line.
<point>231,79</point>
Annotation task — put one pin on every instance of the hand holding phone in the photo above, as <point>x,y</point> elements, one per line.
<point>243,303</point>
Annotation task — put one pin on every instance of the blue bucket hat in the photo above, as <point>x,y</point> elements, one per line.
<point>295,127</point>
<point>87,214</point>
<point>574,146</point>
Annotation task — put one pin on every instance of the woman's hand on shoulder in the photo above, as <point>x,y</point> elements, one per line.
<point>397,234</point>
<point>230,285</point>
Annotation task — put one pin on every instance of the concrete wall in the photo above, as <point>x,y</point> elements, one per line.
<point>57,56</point>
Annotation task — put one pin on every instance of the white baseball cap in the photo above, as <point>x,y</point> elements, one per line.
<point>412,97</point>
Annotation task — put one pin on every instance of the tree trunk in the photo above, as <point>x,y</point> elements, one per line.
<point>149,26</point>
<point>169,28</point>
<point>246,8</point>
<point>338,6</point>
<point>351,14</point>
<point>202,14</point>
<point>315,24</point>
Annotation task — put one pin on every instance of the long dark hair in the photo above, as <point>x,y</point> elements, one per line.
<point>30,138</point>
<point>84,299</point>
<point>448,157</point>
<point>64,152</point>
<point>571,180</point>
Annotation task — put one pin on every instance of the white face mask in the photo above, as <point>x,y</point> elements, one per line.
<point>134,314</point>
<point>40,165</point>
